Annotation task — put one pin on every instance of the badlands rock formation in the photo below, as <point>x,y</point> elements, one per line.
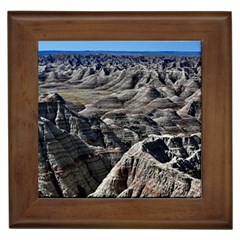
<point>119,126</point>
<point>159,166</point>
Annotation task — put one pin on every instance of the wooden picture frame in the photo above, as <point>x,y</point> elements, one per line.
<point>213,210</point>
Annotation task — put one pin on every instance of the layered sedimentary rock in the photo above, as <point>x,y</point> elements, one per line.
<point>75,153</point>
<point>155,168</point>
<point>93,108</point>
<point>150,85</point>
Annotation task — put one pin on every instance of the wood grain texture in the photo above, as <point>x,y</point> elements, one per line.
<point>213,210</point>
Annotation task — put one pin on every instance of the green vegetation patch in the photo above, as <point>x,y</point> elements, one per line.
<point>84,96</point>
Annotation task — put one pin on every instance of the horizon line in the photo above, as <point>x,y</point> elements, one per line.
<point>136,46</point>
<point>113,51</point>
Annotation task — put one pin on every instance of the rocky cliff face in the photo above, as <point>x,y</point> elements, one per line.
<point>75,153</point>
<point>159,166</point>
<point>119,126</point>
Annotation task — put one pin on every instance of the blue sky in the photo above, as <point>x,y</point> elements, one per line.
<point>189,46</point>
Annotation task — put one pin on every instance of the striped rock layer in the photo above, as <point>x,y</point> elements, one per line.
<point>74,156</point>
<point>159,166</point>
<point>128,126</point>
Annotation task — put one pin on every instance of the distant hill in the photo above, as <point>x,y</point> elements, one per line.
<point>152,53</point>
